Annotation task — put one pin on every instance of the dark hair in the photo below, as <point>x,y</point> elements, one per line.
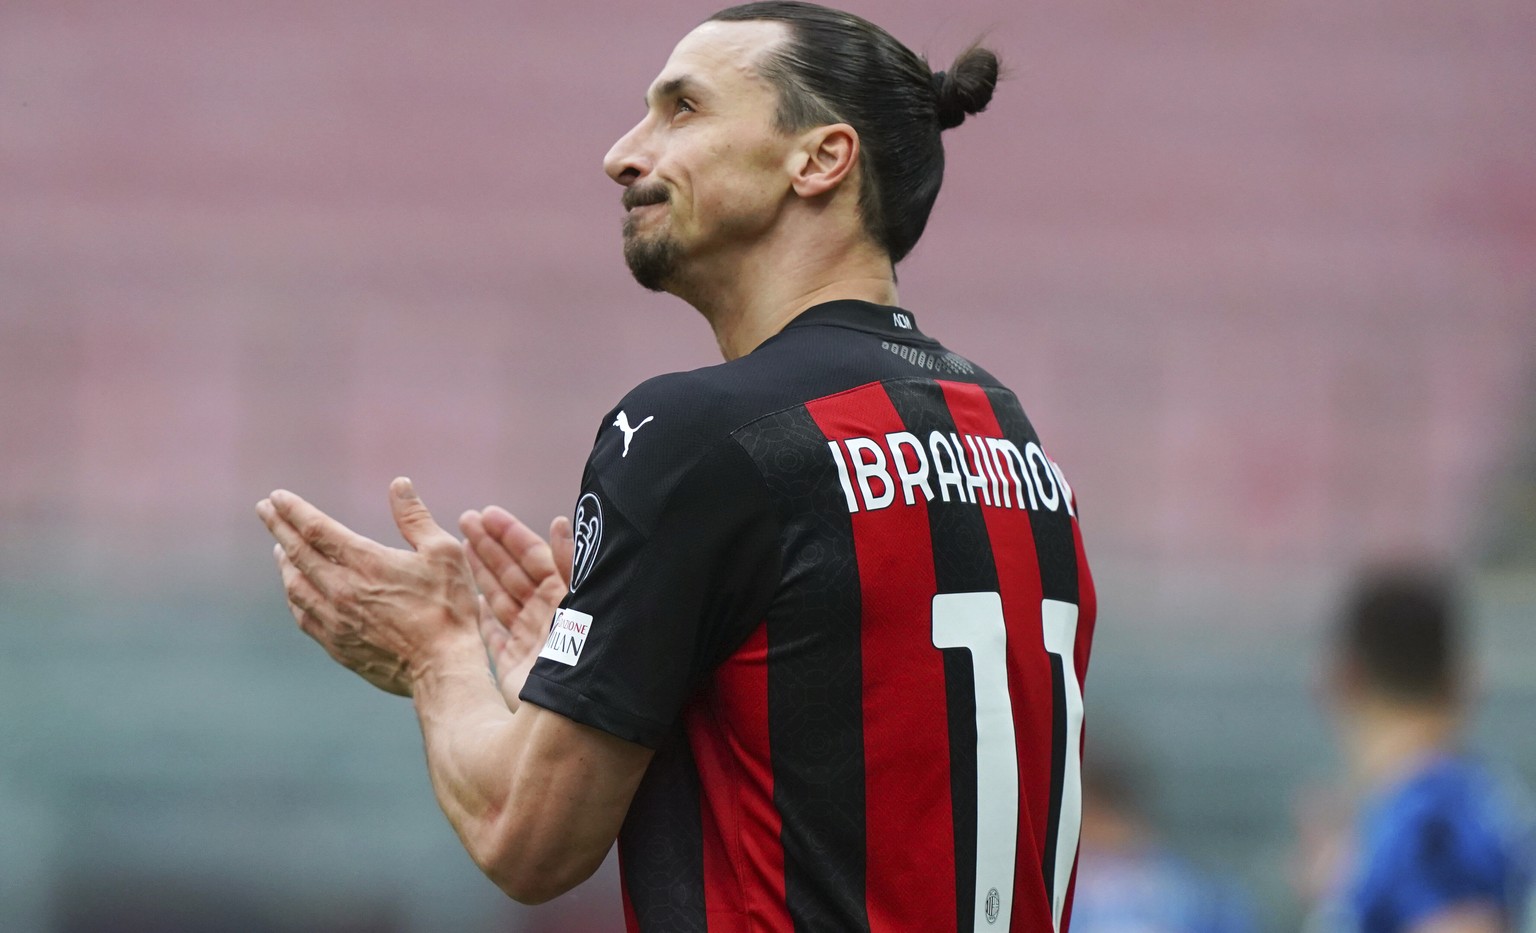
<point>840,68</point>
<point>1400,628</point>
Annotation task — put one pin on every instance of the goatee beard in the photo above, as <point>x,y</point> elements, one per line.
<point>652,261</point>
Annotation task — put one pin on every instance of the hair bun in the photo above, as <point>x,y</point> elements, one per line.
<point>967,86</point>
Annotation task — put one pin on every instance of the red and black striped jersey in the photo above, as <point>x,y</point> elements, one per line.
<point>840,588</point>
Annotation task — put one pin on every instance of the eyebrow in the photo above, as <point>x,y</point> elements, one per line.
<point>680,86</point>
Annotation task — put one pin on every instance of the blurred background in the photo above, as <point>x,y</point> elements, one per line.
<point>1264,275</point>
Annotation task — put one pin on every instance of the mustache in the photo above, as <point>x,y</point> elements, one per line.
<point>642,195</point>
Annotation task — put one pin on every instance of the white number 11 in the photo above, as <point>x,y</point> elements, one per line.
<point>974,621</point>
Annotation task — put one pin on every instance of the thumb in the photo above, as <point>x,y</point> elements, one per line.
<point>563,544</point>
<point>411,516</point>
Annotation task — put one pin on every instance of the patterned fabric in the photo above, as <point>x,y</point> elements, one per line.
<point>840,588</point>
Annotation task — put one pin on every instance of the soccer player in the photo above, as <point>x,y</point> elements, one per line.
<point>823,612</point>
<point>1442,845</point>
<point>1129,879</point>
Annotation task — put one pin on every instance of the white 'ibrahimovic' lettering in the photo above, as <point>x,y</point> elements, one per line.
<point>969,468</point>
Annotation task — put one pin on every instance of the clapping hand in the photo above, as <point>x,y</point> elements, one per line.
<point>380,611</point>
<point>522,579</point>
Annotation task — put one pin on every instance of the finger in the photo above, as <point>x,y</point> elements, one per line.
<point>320,569</point>
<point>487,581</point>
<point>416,524</point>
<point>503,574</point>
<point>563,546</point>
<point>531,552</point>
<point>506,571</point>
<point>304,601</point>
<point>325,534</point>
<point>485,549</point>
<point>477,568</point>
<point>504,609</point>
<point>475,535</point>
<point>472,524</point>
<point>494,595</point>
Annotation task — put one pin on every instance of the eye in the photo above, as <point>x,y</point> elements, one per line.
<point>684,106</point>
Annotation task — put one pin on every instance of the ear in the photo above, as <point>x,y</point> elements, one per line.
<point>823,160</point>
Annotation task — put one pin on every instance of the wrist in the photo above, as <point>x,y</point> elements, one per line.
<point>454,659</point>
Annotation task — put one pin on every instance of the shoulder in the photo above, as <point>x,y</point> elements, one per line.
<point>1446,823</point>
<point>676,416</point>
<point>696,401</point>
<point>671,434</point>
<point>1452,790</point>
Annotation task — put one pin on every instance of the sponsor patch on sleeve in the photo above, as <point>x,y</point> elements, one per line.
<point>567,636</point>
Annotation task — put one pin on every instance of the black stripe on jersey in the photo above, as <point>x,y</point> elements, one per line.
<point>962,563</point>
<point>815,687</point>
<point>661,844</point>
<point>1056,551</point>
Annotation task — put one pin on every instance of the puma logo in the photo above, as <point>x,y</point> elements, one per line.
<point>622,423</point>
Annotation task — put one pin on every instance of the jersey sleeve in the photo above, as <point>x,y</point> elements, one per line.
<point>1444,863</point>
<point>676,559</point>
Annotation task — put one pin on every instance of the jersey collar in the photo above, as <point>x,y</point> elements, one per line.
<point>886,320</point>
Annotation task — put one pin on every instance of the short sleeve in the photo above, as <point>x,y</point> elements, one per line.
<point>1444,863</point>
<point>676,560</point>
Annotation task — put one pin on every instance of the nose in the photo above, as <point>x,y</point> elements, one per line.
<point>627,161</point>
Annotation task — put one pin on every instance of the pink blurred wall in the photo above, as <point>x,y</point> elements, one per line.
<point>1264,273</point>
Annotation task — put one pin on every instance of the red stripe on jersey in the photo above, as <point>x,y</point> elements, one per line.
<point>743,855</point>
<point>909,820</point>
<point>1087,607</point>
<point>1030,682</point>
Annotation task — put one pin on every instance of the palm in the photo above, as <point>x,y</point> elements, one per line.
<point>522,579</point>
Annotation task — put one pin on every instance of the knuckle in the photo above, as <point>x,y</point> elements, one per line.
<point>311,531</point>
<point>305,621</point>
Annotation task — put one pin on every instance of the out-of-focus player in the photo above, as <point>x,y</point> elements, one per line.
<point>823,612</point>
<point>1129,880</point>
<point>1440,843</point>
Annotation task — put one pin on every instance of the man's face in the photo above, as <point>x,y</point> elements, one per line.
<point>705,172</point>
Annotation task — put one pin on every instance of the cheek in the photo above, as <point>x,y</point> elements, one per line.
<point>745,179</point>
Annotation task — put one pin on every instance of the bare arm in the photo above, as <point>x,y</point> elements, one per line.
<point>536,798</point>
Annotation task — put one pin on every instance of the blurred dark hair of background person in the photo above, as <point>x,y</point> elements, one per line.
<point>1439,840</point>
<point>1128,880</point>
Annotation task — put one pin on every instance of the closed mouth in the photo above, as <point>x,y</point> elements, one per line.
<point>633,199</point>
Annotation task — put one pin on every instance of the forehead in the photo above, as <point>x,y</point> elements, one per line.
<point>723,57</point>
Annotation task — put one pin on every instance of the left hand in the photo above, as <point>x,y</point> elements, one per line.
<point>382,612</point>
<point>523,579</point>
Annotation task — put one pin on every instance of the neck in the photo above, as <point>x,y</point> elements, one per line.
<point>1386,741</point>
<point>750,296</point>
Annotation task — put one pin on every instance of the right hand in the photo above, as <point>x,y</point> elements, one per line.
<point>522,579</point>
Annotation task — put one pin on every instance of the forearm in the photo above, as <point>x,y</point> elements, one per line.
<point>472,746</point>
<point>513,679</point>
<point>536,807</point>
